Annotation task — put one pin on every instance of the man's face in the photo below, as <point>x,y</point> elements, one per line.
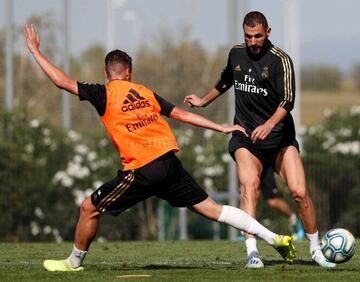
<point>255,37</point>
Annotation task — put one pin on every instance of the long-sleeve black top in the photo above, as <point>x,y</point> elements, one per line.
<point>262,83</point>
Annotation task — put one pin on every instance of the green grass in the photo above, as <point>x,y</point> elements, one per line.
<point>167,261</point>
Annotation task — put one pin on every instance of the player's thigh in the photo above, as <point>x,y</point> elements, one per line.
<point>249,167</point>
<point>291,169</point>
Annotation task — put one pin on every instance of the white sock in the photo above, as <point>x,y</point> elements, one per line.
<point>241,220</point>
<point>251,246</point>
<point>76,258</point>
<point>314,240</point>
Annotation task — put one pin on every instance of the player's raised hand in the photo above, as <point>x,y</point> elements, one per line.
<point>233,128</point>
<point>192,101</point>
<point>32,38</point>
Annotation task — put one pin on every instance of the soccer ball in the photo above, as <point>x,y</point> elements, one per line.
<point>338,245</point>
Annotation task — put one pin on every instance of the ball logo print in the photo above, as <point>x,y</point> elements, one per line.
<point>338,245</point>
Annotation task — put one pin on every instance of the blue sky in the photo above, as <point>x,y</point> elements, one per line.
<point>329,30</point>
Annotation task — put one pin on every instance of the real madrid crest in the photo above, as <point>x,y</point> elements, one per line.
<point>265,73</point>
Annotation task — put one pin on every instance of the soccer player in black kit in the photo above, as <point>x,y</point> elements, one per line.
<point>264,83</point>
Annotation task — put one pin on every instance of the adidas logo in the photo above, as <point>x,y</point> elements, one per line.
<point>134,101</point>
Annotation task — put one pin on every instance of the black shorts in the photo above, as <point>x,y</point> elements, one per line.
<point>164,177</point>
<point>268,186</point>
<point>266,156</point>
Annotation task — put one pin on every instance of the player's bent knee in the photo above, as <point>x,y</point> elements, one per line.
<point>300,196</point>
<point>87,206</point>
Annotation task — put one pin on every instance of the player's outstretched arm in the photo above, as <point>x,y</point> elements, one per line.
<point>197,120</point>
<point>196,101</point>
<point>56,75</point>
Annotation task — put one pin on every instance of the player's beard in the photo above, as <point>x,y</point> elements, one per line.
<point>257,49</point>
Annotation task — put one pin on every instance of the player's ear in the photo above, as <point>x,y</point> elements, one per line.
<point>106,75</point>
<point>268,32</point>
<point>128,74</point>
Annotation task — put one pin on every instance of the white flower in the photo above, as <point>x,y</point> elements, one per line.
<point>183,140</point>
<point>200,158</point>
<point>81,195</point>
<point>35,229</point>
<point>198,149</point>
<point>81,149</point>
<point>344,132</point>
<point>78,159</point>
<point>302,130</point>
<point>189,132</point>
<point>352,148</point>
<point>73,168</point>
<point>47,229</point>
<point>57,236</point>
<point>101,239</point>
<point>92,156</point>
<point>354,111</point>
<point>67,182</point>
<point>47,140</point>
<point>312,130</point>
<point>39,213</point>
<point>84,172</point>
<point>34,123</point>
<point>330,140</point>
<point>29,148</point>
<point>58,176</point>
<point>103,143</point>
<point>74,136</point>
<point>97,184</point>
<point>208,133</point>
<point>213,170</point>
<point>45,131</point>
<point>208,183</point>
<point>226,158</point>
<point>63,178</point>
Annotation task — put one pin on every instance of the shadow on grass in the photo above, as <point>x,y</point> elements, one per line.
<point>169,266</point>
<point>310,263</point>
<point>215,266</point>
<point>296,262</point>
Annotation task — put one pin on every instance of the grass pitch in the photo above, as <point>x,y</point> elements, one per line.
<point>168,261</point>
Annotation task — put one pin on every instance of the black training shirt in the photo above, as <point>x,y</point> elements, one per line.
<point>262,84</point>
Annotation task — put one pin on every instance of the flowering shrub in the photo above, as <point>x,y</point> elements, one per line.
<point>204,155</point>
<point>332,162</point>
<point>45,173</point>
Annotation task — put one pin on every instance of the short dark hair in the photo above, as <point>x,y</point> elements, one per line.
<point>253,18</point>
<point>118,57</point>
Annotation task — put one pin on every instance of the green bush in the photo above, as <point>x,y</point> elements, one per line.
<point>45,173</point>
<point>332,162</point>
